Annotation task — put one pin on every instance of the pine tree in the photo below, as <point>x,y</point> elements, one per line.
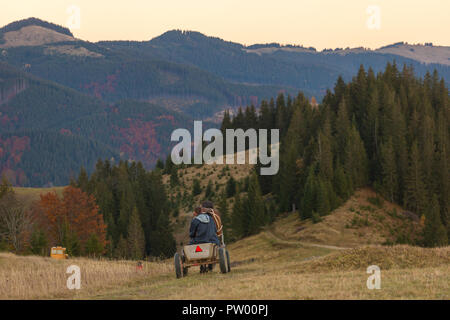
<point>309,198</point>
<point>415,188</point>
<point>342,129</point>
<point>255,205</point>
<point>356,164</point>
<point>341,183</point>
<point>39,243</point>
<point>127,202</point>
<point>159,164</point>
<point>174,180</point>
<point>70,240</point>
<point>230,187</point>
<point>238,218</point>
<point>442,170</point>
<point>93,246</point>
<point>325,155</point>
<point>135,239</point>
<point>83,180</point>
<point>435,234</point>
<point>196,187</point>
<point>288,179</point>
<point>209,193</point>
<point>323,198</point>
<point>168,165</point>
<point>121,250</point>
<point>389,183</point>
<point>226,121</point>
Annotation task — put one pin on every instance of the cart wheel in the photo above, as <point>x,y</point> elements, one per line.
<point>183,261</point>
<point>228,261</point>
<point>178,267</point>
<point>223,260</point>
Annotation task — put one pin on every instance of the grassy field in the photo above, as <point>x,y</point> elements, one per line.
<point>291,259</point>
<point>261,269</point>
<point>28,195</point>
<point>264,266</point>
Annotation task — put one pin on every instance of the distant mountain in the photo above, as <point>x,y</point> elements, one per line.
<point>115,74</point>
<point>31,32</point>
<point>293,66</point>
<point>65,102</point>
<point>48,131</point>
<point>17,25</point>
<point>427,53</point>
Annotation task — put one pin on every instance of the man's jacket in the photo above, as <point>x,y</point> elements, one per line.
<point>203,230</point>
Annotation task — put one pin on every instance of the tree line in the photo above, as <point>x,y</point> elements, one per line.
<point>71,219</point>
<point>388,130</point>
<point>134,205</point>
<point>119,211</point>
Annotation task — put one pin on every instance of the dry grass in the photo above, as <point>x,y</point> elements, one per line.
<point>264,269</point>
<point>261,269</point>
<point>27,196</point>
<point>72,51</point>
<point>33,36</point>
<point>35,277</point>
<point>357,222</point>
<point>386,257</point>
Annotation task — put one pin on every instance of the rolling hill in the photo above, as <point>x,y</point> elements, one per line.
<point>289,259</point>
<point>277,263</point>
<point>300,67</point>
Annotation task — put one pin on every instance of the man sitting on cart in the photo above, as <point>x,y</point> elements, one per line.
<point>203,226</point>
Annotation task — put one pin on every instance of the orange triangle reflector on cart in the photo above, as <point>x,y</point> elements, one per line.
<point>198,249</point>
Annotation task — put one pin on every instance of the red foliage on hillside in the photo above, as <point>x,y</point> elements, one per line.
<point>75,212</point>
<point>11,152</point>
<point>139,141</point>
<point>98,88</point>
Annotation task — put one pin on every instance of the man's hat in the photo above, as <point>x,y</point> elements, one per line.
<point>208,204</point>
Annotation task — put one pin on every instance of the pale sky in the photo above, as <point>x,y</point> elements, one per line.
<point>318,23</point>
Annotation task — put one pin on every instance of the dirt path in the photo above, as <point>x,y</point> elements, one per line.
<point>270,233</point>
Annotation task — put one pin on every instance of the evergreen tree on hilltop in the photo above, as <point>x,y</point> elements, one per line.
<point>435,234</point>
<point>389,183</point>
<point>415,189</point>
<point>238,218</point>
<point>255,205</point>
<point>136,239</point>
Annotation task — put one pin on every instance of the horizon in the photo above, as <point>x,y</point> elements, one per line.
<point>352,24</point>
<point>245,45</point>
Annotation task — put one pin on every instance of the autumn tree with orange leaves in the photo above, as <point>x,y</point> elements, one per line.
<point>72,221</point>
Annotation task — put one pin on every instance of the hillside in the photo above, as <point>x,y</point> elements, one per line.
<point>294,66</point>
<point>114,74</point>
<point>423,53</point>
<point>48,131</point>
<point>181,194</point>
<point>295,259</point>
<point>365,219</point>
<point>204,74</point>
<point>32,36</point>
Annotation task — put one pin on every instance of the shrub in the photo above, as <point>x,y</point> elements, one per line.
<point>376,201</point>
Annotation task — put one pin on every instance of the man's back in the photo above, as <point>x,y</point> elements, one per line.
<point>203,230</point>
